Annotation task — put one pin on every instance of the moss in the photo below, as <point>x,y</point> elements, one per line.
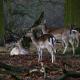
<point>72,12</point>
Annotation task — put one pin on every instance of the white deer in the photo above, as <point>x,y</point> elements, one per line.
<point>64,35</point>
<point>18,49</point>
<point>42,43</point>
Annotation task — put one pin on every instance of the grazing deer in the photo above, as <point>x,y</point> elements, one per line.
<point>63,35</point>
<point>18,49</point>
<point>41,43</point>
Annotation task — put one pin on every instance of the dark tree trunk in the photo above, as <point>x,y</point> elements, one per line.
<point>1,24</point>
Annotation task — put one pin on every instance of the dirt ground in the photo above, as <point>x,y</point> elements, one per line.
<point>54,70</point>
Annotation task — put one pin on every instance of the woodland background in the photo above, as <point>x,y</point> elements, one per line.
<point>18,15</point>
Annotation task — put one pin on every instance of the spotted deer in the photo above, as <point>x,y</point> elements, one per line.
<point>63,35</point>
<point>41,43</point>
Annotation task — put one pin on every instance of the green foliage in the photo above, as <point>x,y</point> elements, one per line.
<point>72,12</point>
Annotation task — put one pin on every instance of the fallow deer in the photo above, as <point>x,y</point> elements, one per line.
<point>41,43</point>
<point>64,35</point>
<point>18,49</point>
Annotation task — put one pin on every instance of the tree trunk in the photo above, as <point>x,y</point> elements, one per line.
<point>1,24</point>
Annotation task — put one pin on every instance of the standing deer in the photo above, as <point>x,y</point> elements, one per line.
<point>41,43</point>
<point>18,49</point>
<point>64,35</point>
<point>71,37</point>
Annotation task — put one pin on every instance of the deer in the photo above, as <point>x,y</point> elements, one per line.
<point>71,37</point>
<point>41,43</point>
<point>18,49</point>
<point>63,35</point>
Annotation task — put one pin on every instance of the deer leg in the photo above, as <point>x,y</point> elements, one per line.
<point>50,50</point>
<point>63,44</point>
<point>77,40</point>
<point>39,54</point>
<point>54,44</point>
<point>66,46</point>
<point>72,44</point>
<point>55,50</point>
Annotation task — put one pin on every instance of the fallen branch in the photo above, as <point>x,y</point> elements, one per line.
<point>14,75</point>
<point>14,69</point>
<point>69,74</point>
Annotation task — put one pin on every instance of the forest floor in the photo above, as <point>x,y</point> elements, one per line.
<point>54,70</point>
